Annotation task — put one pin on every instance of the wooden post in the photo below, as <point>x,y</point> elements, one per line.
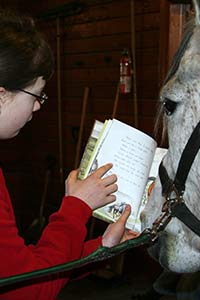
<point>60,134</point>
<point>177,22</point>
<point>163,48</point>
<point>134,63</point>
<point>83,113</point>
<point>172,21</point>
<point>116,102</point>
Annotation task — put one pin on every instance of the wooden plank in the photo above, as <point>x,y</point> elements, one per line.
<point>145,39</point>
<point>147,107</point>
<point>102,11</point>
<point>148,21</point>
<point>88,60</point>
<point>146,6</point>
<point>146,124</point>
<point>108,58</point>
<point>142,7</point>
<point>89,76</point>
<point>147,56</point>
<point>98,28</point>
<point>125,106</point>
<point>96,44</point>
<point>147,88</point>
<point>111,26</point>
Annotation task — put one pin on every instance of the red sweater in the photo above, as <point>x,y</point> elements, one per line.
<point>61,241</point>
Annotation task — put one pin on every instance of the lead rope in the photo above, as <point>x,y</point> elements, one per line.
<point>101,254</point>
<point>148,235</point>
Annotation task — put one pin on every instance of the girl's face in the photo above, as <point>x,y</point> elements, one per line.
<point>16,108</point>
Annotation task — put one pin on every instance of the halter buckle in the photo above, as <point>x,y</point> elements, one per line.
<point>173,197</point>
<point>159,224</point>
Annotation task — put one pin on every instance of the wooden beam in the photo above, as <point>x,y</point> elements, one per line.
<point>173,19</point>
<point>164,33</point>
<point>181,1</point>
<point>176,27</point>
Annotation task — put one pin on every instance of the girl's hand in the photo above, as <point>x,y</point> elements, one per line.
<point>116,232</point>
<point>95,191</point>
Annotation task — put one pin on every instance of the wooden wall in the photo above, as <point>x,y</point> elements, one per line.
<point>88,46</point>
<point>90,43</point>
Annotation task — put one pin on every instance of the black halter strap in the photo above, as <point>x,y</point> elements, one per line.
<point>187,158</point>
<point>180,210</point>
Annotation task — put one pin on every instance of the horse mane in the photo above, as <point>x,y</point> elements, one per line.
<point>160,127</point>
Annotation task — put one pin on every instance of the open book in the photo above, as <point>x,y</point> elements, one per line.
<point>135,158</point>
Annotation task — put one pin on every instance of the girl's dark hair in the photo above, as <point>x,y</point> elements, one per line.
<point>24,53</point>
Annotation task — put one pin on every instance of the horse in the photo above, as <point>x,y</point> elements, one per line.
<point>177,247</point>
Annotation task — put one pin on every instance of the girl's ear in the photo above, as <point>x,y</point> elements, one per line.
<point>2,89</point>
<point>3,94</point>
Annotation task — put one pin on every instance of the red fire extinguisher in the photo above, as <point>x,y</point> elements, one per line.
<point>125,72</point>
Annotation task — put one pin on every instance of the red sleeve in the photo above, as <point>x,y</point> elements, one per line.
<point>91,246</point>
<point>61,241</point>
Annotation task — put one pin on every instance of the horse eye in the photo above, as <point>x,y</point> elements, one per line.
<point>169,106</point>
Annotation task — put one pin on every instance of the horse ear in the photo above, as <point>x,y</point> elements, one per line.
<point>196,4</point>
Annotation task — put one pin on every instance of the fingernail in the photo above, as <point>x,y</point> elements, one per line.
<point>127,207</point>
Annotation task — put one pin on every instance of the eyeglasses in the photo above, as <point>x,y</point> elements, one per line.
<point>41,98</point>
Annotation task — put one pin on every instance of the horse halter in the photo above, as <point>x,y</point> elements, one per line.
<point>173,190</point>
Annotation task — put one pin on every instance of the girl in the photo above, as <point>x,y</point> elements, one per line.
<point>25,64</point>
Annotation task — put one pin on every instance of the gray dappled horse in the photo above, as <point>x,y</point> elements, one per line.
<point>178,247</point>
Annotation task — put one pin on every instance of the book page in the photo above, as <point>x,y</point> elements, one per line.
<point>159,154</point>
<point>131,152</point>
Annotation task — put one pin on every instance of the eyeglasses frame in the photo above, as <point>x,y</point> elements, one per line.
<point>41,98</point>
